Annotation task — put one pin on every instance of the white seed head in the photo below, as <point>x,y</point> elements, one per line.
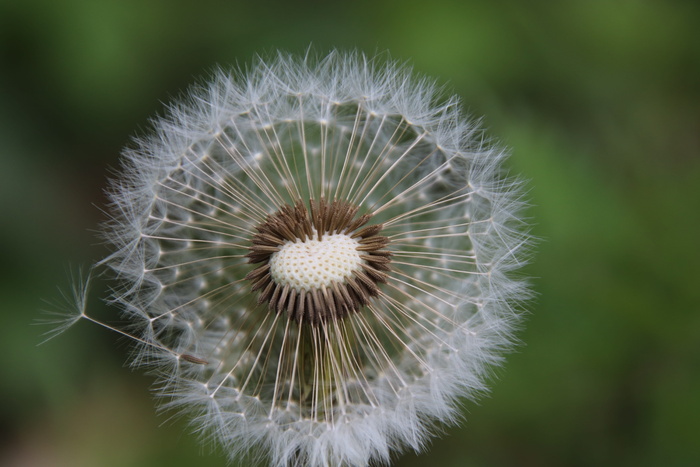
<point>315,257</point>
<point>316,264</point>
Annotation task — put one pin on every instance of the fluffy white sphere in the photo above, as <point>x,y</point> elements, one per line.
<point>317,371</point>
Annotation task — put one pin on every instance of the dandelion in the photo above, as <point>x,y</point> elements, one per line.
<point>315,258</point>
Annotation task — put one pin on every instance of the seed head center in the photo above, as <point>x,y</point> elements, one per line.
<point>315,264</point>
<point>319,263</point>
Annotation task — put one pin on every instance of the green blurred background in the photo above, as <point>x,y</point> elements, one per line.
<point>600,101</point>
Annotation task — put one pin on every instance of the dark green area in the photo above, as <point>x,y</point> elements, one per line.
<point>599,101</point>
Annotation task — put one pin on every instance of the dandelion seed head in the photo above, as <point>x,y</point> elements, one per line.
<point>315,259</point>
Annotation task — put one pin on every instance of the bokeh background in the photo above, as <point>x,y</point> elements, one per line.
<point>600,102</point>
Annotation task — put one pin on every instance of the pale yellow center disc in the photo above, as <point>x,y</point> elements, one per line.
<point>314,264</point>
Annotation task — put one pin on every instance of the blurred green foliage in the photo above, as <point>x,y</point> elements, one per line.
<point>600,101</point>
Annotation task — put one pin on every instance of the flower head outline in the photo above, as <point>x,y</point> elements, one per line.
<point>407,225</point>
